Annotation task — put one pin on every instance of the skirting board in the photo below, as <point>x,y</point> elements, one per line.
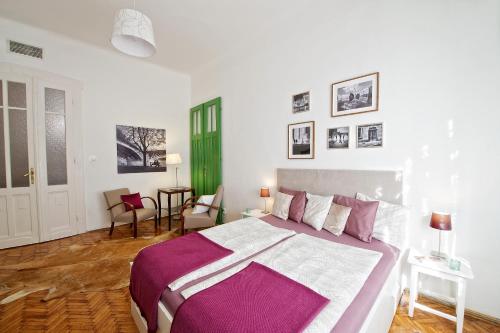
<point>468,312</point>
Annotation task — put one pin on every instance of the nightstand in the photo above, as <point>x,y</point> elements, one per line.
<point>253,213</point>
<point>422,264</point>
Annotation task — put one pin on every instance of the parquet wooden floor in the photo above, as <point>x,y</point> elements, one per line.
<point>109,311</point>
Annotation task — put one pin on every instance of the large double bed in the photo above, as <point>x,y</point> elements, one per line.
<point>366,304</point>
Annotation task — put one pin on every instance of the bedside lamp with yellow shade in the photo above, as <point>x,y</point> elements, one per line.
<point>265,193</point>
<point>440,221</point>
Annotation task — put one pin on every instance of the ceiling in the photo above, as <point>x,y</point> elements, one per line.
<point>188,33</point>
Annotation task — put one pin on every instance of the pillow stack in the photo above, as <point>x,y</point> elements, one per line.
<point>362,217</point>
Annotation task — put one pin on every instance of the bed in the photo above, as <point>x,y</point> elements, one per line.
<point>374,306</point>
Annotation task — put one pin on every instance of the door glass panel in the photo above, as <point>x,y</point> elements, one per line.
<point>54,100</point>
<point>209,120</point>
<point>55,137</point>
<point>195,124</point>
<point>16,94</point>
<point>214,119</point>
<point>19,163</point>
<point>1,93</point>
<point>3,180</point>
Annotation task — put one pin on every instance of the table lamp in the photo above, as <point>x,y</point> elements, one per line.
<point>264,193</point>
<point>440,221</point>
<point>174,159</point>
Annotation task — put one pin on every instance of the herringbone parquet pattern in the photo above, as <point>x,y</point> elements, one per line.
<point>109,311</point>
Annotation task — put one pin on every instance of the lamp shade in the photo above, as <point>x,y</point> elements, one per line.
<point>173,159</point>
<point>264,192</point>
<point>441,221</point>
<point>133,33</point>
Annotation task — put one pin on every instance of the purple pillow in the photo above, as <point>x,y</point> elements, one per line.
<point>133,199</point>
<point>362,218</point>
<point>298,205</point>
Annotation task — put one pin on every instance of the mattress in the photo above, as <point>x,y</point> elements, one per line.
<point>355,314</point>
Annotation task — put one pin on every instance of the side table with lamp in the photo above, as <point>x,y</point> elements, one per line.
<point>437,265</point>
<point>173,159</point>
<point>265,194</point>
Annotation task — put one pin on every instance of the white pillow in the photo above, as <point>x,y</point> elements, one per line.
<point>337,218</point>
<point>390,222</point>
<point>281,205</point>
<point>204,199</point>
<point>317,209</point>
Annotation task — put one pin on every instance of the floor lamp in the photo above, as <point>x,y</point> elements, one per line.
<point>175,159</point>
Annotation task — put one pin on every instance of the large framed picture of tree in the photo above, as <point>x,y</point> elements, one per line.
<point>140,149</point>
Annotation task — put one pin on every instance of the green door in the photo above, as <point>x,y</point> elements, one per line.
<point>206,148</point>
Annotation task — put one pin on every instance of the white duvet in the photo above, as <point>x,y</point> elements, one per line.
<point>333,270</point>
<point>245,237</point>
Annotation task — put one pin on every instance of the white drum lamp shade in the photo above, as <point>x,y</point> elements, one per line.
<point>133,33</point>
<point>173,159</point>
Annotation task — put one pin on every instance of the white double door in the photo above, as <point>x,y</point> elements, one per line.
<point>37,200</point>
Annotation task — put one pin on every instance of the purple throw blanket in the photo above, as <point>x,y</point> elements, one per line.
<point>256,299</point>
<point>158,265</point>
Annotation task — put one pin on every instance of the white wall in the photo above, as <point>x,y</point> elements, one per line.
<point>117,90</point>
<point>439,64</point>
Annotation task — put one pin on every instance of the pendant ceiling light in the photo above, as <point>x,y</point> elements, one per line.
<point>133,33</point>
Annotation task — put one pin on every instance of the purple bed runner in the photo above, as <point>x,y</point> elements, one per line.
<point>158,265</point>
<point>256,299</point>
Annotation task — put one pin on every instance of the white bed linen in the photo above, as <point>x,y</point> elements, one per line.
<point>334,270</point>
<point>245,237</point>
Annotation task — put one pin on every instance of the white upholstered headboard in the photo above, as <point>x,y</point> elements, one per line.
<point>383,185</point>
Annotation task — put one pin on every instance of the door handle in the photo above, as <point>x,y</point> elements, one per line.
<point>31,174</point>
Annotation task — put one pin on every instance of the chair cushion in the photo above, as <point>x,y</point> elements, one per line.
<point>142,214</point>
<point>134,199</point>
<point>201,220</point>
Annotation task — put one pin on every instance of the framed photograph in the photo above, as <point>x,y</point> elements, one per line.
<point>140,149</point>
<point>338,138</point>
<point>370,136</point>
<point>301,140</point>
<point>301,102</point>
<point>355,95</point>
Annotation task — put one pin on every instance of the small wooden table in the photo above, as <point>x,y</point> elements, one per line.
<point>169,191</point>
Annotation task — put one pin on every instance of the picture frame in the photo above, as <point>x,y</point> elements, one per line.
<point>356,95</point>
<point>301,138</point>
<point>301,102</point>
<point>338,137</point>
<point>140,149</point>
<point>370,135</point>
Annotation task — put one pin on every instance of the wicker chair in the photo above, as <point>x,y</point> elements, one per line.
<point>119,214</point>
<point>202,220</point>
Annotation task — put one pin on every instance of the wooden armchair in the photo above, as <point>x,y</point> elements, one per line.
<point>202,220</point>
<point>116,208</point>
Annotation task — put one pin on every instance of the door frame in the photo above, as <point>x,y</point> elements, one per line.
<point>76,88</point>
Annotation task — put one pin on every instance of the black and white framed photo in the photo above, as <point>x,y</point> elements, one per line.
<point>140,149</point>
<point>301,140</point>
<point>338,138</point>
<point>370,136</point>
<point>355,95</point>
<point>301,102</point>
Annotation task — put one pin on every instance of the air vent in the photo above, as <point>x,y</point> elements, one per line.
<point>25,49</point>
